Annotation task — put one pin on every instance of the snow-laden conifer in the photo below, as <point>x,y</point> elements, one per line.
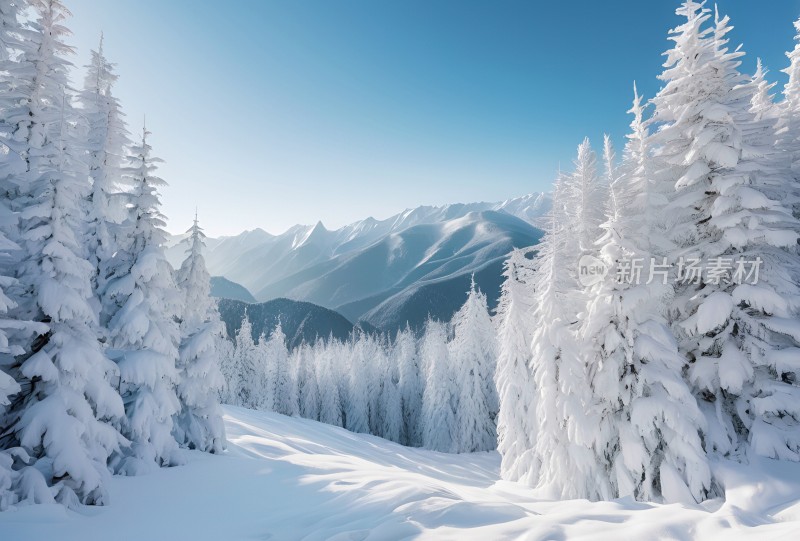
<point>439,429</point>
<point>406,357</point>
<point>199,424</point>
<point>143,302</point>
<point>473,356</point>
<point>67,415</point>
<point>516,419</point>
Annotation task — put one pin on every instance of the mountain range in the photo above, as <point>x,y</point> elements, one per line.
<point>384,272</point>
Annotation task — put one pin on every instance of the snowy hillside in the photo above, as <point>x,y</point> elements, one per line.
<point>285,478</point>
<point>373,270</point>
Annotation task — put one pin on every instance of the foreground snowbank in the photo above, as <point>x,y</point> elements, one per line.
<point>285,478</point>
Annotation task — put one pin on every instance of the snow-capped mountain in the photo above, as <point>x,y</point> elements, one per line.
<point>377,270</point>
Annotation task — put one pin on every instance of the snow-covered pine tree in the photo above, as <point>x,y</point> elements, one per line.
<point>106,140</point>
<point>390,401</point>
<point>439,429</point>
<point>308,396</point>
<point>199,424</point>
<point>586,192</point>
<point>14,336</point>
<point>788,112</point>
<point>243,378</point>
<point>762,104</point>
<point>612,178</point>
<point>473,355</point>
<point>261,386</point>
<point>226,352</point>
<point>405,356</point>
<point>66,414</point>
<point>359,383</point>
<point>516,419</point>
<point>647,439</point>
<point>376,352</point>
<point>283,389</point>
<point>330,404</point>
<point>551,322</point>
<point>560,371</point>
<point>143,302</point>
<point>730,204</point>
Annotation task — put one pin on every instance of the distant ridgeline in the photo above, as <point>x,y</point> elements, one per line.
<point>301,321</point>
<point>387,273</point>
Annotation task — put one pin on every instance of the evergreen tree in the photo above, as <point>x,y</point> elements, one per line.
<point>551,320</point>
<point>199,424</point>
<point>330,404</point>
<point>439,429</point>
<point>244,379</point>
<point>405,356</point>
<point>282,386</point>
<point>106,139</point>
<point>357,406</point>
<point>66,418</point>
<point>262,384</point>
<point>473,357</point>
<point>646,439</point>
<point>226,351</point>
<point>390,402</point>
<point>516,419</point>
<point>306,377</point>
<point>789,123</point>
<point>729,204</point>
<point>142,302</point>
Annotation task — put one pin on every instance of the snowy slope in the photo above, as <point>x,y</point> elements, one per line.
<point>284,479</point>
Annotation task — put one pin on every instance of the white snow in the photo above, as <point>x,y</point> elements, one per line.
<point>286,478</point>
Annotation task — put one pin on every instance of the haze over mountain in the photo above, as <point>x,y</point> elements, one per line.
<point>385,272</point>
<point>222,288</point>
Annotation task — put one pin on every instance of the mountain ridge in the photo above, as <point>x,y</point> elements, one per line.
<point>361,266</point>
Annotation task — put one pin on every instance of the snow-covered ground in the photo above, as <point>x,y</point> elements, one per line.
<point>286,478</point>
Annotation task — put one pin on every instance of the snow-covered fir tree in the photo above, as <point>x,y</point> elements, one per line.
<point>226,353</point>
<point>439,428</point>
<point>390,400</point>
<point>405,356</point>
<point>143,334</point>
<point>516,419</point>
<point>282,393</point>
<point>359,384</point>
<point>729,209</point>
<point>788,112</point>
<point>199,424</point>
<point>646,440</point>
<point>243,378</point>
<point>473,356</point>
<point>106,140</point>
<point>14,336</point>
<point>308,395</point>
<point>330,403</point>
<point>67,414</point>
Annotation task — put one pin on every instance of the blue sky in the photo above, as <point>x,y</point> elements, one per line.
<point>271,113</point>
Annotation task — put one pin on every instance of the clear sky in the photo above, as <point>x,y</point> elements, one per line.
<point>271,113</point>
